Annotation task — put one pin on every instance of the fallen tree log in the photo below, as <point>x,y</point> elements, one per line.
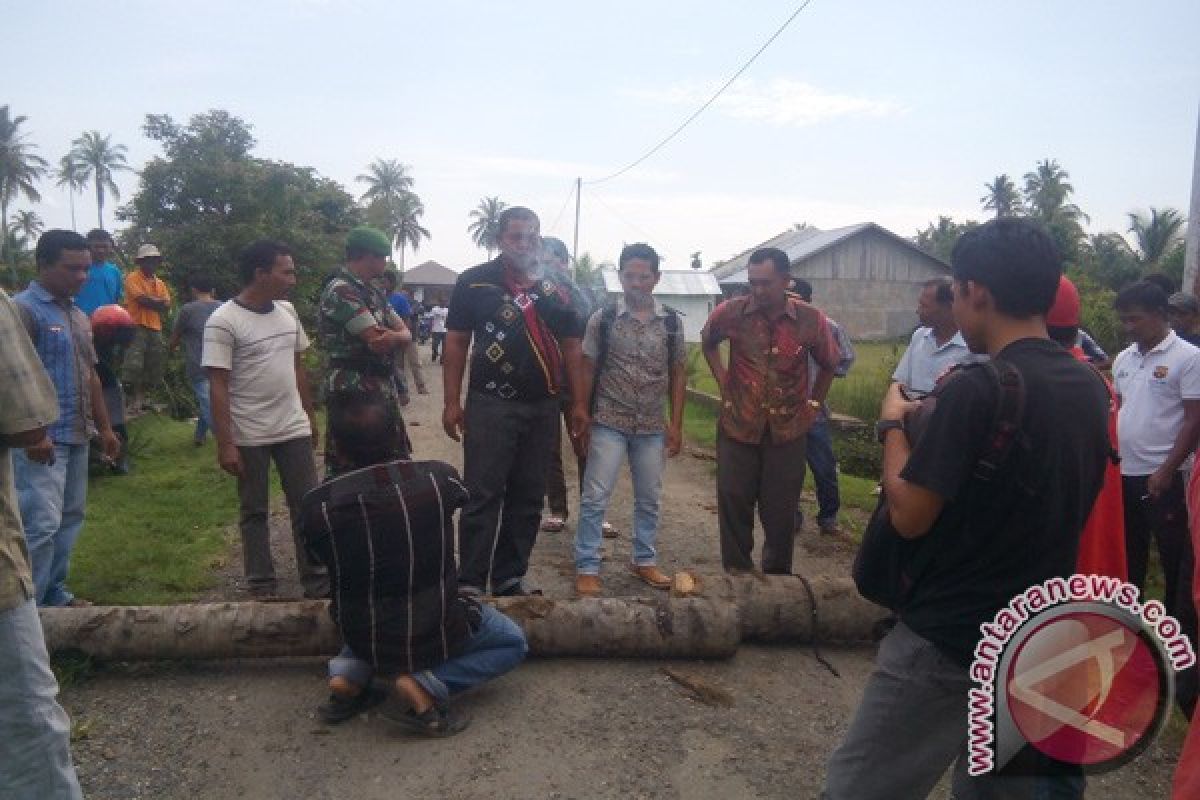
<point>721,611</point>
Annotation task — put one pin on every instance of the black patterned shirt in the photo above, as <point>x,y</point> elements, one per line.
<point>505,362</point>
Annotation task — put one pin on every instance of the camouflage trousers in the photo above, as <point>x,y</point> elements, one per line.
<point>341,381</point>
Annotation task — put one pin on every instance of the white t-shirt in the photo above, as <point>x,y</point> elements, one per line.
<point>1152,387</point>
<point>259,349</point>
<point>438,319</point>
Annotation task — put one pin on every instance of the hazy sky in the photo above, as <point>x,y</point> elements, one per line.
<point>861,111</point>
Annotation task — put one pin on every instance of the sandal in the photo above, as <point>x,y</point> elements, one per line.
<point>553,524</point>
<point>436,722</point>
<point>340,708</point>
<point>608,530</point>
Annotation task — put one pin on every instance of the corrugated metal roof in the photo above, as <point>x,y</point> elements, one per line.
<point>672,282</point>
<point>802,244</point>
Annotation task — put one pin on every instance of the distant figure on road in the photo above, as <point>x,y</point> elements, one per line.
<point>437,327</point>
<point>386,530</point>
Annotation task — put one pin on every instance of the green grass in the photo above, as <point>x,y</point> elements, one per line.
<point>858,394</point>
<point>155,535</point>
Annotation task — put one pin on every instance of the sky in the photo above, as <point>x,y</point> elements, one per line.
<point>887,112</point>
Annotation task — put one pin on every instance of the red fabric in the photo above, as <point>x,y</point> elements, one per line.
<point>540,336</point>
<point>1102,543</point>
<point>1187,774</point>
<point>1065,311</point>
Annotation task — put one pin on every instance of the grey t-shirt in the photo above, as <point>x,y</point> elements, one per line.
<point>190,323</point>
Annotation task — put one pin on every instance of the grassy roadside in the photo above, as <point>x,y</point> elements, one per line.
<point>154,536</point>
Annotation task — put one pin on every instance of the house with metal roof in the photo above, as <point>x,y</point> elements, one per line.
<point>692,293</point>
<point>864,276</point>
<point>430,281</point>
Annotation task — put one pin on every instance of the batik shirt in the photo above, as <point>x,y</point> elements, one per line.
<point>509,358</point>
<point>767,389</point>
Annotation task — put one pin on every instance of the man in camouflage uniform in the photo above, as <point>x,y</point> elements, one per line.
<point>360,332</point>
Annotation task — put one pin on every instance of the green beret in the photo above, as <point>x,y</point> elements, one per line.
<point>370,239</point>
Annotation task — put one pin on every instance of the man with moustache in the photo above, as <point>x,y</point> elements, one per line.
<point>526,337</point>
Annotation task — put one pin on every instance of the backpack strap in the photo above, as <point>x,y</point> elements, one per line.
<point>1006,424</point>
<point>607,317</point>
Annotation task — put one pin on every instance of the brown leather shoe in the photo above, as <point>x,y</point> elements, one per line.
<point>587,585</point>
<point>652,575</point>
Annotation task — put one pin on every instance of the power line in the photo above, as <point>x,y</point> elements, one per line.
<point>558,216</point>
<point>621,218</point>
<point>710,100</point>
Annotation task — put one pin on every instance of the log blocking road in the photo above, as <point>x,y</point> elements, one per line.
<point>570,728</point>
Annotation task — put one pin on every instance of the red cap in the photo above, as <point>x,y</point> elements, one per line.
<point>1065,311</point>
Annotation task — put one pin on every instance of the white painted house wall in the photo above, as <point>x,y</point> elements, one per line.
<point>693,294</point>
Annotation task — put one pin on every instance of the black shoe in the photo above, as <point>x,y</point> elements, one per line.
<point>517,590</point>
<point>338,709</point>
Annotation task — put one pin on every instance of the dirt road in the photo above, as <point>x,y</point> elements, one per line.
<point>552,729</point>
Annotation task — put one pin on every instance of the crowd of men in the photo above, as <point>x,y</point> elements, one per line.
<point>525,353</point>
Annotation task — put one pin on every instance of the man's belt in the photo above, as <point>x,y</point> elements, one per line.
<point>379,367</point>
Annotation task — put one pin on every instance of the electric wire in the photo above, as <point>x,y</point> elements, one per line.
<point>708,103</point>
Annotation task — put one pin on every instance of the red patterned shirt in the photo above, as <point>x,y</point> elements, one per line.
<point>767,386</point>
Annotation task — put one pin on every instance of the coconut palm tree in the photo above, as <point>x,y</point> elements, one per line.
<point>386,180</point>
<point>1002,197</point>
<point>406,224</point>
<point>71,175</point>
<point>99,158</point>
<point>27,224</point>
<point>1047,192</point>
<point>1155,234</point>
<point>20,170</point>
<point>485,223</point>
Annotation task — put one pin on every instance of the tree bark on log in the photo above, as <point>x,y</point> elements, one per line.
<point>709,623</point>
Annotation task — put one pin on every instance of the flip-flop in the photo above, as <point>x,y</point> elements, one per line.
<point>553,524</point>
<point>437,722</point>
<point>609,531</point>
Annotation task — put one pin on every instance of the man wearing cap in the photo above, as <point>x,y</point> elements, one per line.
<point>147,299</point>
<point>360,331</point>
<point>1183,311</point>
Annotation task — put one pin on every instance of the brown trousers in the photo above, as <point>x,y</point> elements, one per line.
<point>769,476</point>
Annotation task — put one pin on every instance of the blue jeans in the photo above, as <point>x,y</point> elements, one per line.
<point>35,732</point>
<point>494,649</point>
<point>647,458</point>
<point>203,406</point>
<point>823,464</point>
<point>51,499</point>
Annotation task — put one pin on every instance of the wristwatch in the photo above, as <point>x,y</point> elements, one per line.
<point>885,425</point>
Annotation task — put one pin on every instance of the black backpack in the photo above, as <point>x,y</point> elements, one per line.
<point>607,317</point>
<point>887,565</point>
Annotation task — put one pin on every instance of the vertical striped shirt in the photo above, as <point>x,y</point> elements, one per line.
<point>386,534</point>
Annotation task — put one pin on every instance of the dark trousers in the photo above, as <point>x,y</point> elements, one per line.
<point>1165,520</point>
<point>506,452</point>
<point>556,477</point>
<point>766,475</point>
<point>823,464</point>
<point>297,473</point>
<point>438,339</point>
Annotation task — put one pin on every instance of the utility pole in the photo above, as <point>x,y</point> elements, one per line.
<point>575,244</point>
<point>1191,258</point>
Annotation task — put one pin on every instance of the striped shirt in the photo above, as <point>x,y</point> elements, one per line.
<point>386,534</point>
<point>62,336</point>
<point>27,402</point>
